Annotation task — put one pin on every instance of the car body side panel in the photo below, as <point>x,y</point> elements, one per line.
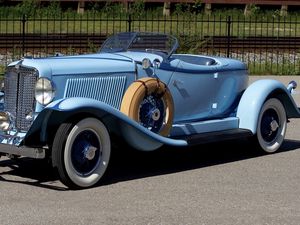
<point>255,96</point>
<point>206,95</point>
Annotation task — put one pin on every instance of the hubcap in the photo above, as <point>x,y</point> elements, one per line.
<point>90,152</point>
<point>274,125</point>
<point>86,152</point>
<point>151,113</point>
<point>269,125</point>
<point>156,114</point>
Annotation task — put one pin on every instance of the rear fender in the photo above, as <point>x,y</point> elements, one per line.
<point>254,97</point>
<point>63,110</point>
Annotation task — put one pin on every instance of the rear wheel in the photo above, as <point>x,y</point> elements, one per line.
<point>271,126</point>
<point>81,152</point>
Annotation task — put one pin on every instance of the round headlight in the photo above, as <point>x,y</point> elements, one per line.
<point>44,91</point>
<point>2,85</point>
<point>5,122</point>
<point>146,63</point>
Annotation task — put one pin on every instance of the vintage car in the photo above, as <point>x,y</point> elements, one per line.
<point>67,108</point>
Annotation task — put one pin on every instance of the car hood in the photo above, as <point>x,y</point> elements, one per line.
<point>80,64</point>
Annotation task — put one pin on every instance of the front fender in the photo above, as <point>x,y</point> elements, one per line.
<point>135,134</point>
<point>254,97</point>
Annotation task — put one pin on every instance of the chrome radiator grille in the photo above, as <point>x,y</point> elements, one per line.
<point>105,89</point>
<point>19,94</point>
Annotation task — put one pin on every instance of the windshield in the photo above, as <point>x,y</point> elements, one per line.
<point>135,41</point>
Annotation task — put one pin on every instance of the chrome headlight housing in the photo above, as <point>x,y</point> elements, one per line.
<point>2,85</point>
<point>5,121</point>
<point>146,63</point>
<point>44,91</point>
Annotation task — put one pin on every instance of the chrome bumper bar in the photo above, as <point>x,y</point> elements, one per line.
<point>36,153</point>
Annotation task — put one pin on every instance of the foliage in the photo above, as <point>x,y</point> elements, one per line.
<point>252,10</point>
<point>138,8</point>
<point>54,9</point>
<point>111,8</point>
<point>197,6</point>
<point>186,8</point>
<point>34,8</point>
<point>28,7</point>
<point>192,44</point>
<point>2,69</point>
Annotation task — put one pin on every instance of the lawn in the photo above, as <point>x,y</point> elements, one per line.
<point>198,25</point>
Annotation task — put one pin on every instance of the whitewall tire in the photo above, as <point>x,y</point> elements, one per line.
<point>271,126</point>
<point>81,152</point>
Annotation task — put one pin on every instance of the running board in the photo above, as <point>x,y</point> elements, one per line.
<point>216,136</point>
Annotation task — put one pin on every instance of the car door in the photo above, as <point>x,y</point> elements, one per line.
<point>193,91</point>
<point>203,88</point>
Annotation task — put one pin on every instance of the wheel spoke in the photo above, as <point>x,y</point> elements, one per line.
<point>152,113</point>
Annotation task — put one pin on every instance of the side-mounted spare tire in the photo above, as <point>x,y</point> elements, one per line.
<point>149,102</point>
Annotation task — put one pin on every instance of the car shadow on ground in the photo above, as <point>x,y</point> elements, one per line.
<point>129,164</point>
<point>132,164</point>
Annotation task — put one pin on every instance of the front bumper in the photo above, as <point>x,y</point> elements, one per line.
<point>36,153</point>
<point>10,144</point>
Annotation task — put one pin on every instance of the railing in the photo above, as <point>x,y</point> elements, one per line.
<point>267,45</point>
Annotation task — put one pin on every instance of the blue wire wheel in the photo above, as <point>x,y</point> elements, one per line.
<point>149,102</point>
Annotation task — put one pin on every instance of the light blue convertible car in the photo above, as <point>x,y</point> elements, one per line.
<point>136,89</point>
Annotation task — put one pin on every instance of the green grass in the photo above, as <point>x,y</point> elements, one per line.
<point>113,18</point>
<point>197,25</point>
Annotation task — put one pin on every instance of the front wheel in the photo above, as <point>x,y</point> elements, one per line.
<point>81,152</point>
<point>271,126</point>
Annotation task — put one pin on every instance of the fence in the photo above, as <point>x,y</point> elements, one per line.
<point>267,45</point>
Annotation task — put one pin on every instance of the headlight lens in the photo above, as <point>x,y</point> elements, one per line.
<point>5,122</point>
<point>2,85</point>
<point>44,91</point>
<point>146,63</point>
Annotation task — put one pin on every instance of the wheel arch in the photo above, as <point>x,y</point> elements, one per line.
<point>48,121</point>
<point>254,97</point>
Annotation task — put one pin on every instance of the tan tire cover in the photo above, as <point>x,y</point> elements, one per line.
<point>135,94</point>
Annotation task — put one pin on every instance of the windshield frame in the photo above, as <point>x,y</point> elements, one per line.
<point>114,43</point>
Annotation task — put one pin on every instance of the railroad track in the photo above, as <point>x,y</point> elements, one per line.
<point>88,41</point>
<point>282,43</point>
<point>52,41</point>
